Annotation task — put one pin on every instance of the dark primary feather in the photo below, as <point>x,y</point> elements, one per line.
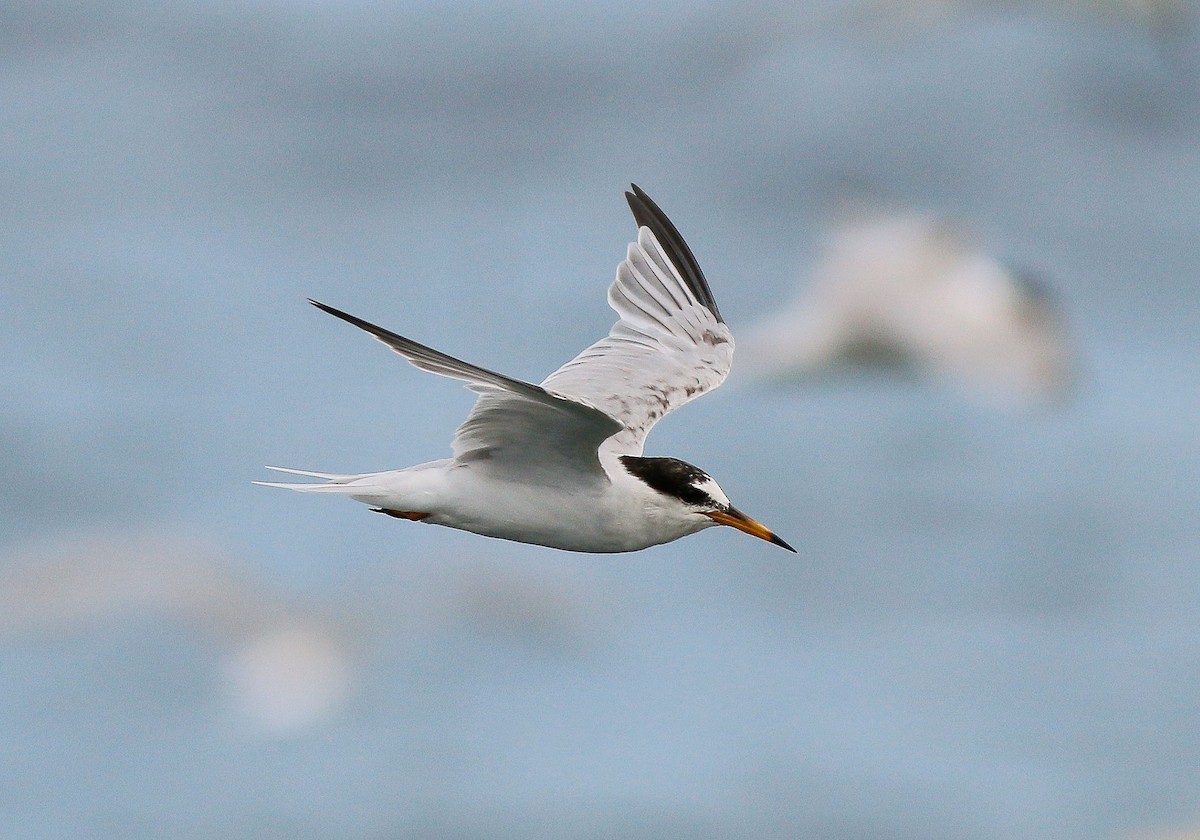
<point>647,214</point>
<point>436,361</point>
<point>668,346</point>
<point>546,435</point>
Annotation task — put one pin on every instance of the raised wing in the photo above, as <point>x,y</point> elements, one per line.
<point>670,344</point>
<point>544,435</point>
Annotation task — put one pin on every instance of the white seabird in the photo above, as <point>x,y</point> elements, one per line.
<point>560,464</point>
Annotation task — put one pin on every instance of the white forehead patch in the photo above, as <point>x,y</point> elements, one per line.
<point>713,490</point>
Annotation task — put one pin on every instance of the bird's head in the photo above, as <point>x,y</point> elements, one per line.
<point>698,494</point>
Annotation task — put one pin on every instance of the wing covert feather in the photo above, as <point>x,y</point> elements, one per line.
<point>542,434</point>
<point>669,346</point>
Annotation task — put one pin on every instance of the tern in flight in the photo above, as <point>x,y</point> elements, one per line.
<point>560,464</point>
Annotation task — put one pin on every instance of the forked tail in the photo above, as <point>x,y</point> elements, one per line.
<point>333,482</point>
<point>385,491</point>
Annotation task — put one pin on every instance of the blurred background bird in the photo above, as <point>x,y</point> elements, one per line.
<point>912,290</point>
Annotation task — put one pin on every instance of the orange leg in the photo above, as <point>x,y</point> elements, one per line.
<point>412,515</point>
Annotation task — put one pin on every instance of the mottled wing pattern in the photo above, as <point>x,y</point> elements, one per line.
<point>549,437</point>
<point>670,344</point>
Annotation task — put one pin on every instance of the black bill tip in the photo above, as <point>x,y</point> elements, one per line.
<point>778,540</point>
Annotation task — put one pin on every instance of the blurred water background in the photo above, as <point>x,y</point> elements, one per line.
<point>991,630</point>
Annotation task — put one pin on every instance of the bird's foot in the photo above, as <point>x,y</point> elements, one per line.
<point>411,515</point>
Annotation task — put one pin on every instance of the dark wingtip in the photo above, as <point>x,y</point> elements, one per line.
<point>386,336</point>
<point>645,212</point>
<point>348,318</point>
<point>637,198</point>
<point>325,308</point>
<point>648,214</point>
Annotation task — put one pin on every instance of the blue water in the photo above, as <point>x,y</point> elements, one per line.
<point>991,630</point>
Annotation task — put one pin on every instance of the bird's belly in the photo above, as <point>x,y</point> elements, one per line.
<point>574,519</point>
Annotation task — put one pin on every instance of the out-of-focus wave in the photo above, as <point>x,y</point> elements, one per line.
<point>285,665</point>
